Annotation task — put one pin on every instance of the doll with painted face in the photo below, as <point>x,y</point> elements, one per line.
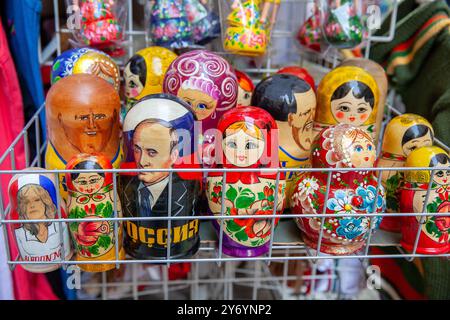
<point>435,229</point>
<point>347,95</point>
<point>292,103</point>
<point>245,89</point>
<point>86,60</point>
<point>208,83</point>
<point>91,196</point>
<point>403,134</point>
<point>33,197</point>
<point>249,141</point>
<point>144,73</point>
<point>340,146</point>
<point>82,113</point>
<point>159,134</point>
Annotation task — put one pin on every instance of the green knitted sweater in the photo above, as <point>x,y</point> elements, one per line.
<point>417,61</point>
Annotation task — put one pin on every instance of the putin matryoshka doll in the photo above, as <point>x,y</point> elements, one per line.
<point>159,134</point>
<point>380,77</point>
<point>435,229</point>
<point>91,196</point>
<point>402,135</point>
<point>245,89</point>
<point>82,117</point>
<point>86,60</point>
<point>300,72</point>
<point>144,73</point>
<point>208,84</point>
<point>351,192</point>
<point>292,103</point>
<point>33,197</point>
<point>347,95</point>
<point>249,140</point>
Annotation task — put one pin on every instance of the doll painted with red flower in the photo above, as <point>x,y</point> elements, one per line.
<point>91,196</point>
<point>248,141</point>
<point>434,229</point>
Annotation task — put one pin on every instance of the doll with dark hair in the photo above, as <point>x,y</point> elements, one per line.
<point>292,103</point>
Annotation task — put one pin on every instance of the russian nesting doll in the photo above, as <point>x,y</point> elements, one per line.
<point>159,134</point>
<point>169,24</point>
<point>435,229</point>
<point>246,34</point>
<point>205,23</point>
<point>86,60</point>
<point>245,89</point>
<point>380,77</point>
<point>248,141</point>
<point>310,33</point>
<point>402,135</point>
<point>144,73</point>
<point>208,83</point>
<point>300,72</point>
<point>82,113</point>
<point>292,103</point>
<point>91,196</point>
<point>342,26</point>
<point>347,95</point>
<point>33,197</point>
<point>351,192</point>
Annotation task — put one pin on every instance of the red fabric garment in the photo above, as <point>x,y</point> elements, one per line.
<point>27,286</point>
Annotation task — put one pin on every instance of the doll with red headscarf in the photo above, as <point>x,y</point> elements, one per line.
<point>91,196</point>
<point>351,192</point>
<point>249,140</point>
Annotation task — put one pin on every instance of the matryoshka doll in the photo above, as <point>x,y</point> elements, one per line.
<point>144,73</point>
<point>86,60</point>
<point>292,103</point>
<point>169,24</point>
<point>208,83</point>
<point>91,196</point>
<point>347,95</point>
<point>249,141</point>
<point>402,135</point>
<point>300,72</point>
<point>246,33</point>
<point>82,113</point>
<point>245,89</point>
<point>351,192</point>
<point>159,134</point>
<point>434,229</point>
<point>33,196</point>
<point>380,77</point>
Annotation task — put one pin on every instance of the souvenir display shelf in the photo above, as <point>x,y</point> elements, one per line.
<point>225,273</point>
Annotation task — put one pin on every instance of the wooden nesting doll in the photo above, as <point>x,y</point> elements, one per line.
<point>82,113</point>
<point>208,83</point>
<point>86,60</point>
<point>380,77</point>
<point>402,135</point>
<point>91,196</point>
<point>144,73</point>
<point>33,197</point>
<point>249,141</point>
<point>435,229</point>
<point>159,134</point>
<point>292,103</point>
<point>351,192</point>
<point>347,95</point>
<point>245,89</point>
<point>246,34</point>
<point>302,73</point>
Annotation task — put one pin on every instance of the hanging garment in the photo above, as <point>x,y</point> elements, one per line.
<point>23,20</point>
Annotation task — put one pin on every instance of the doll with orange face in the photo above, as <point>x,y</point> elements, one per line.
<point>350,192</point>
<point>347,95</point>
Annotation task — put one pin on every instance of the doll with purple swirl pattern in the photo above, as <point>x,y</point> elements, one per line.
<point>205,81</point>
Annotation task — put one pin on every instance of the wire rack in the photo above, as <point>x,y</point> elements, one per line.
<point>213,275</point>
